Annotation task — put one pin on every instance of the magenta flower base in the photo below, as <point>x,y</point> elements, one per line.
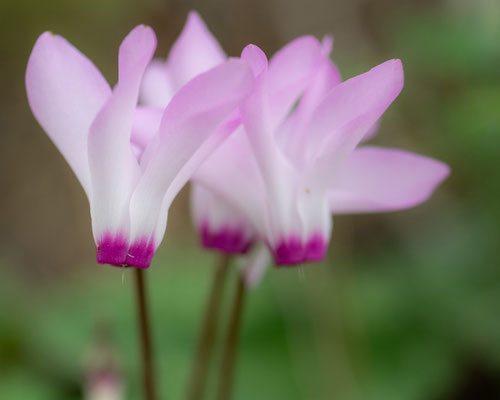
<point>226,240</point>
<point>293,251</point>
<point>140,254</point>
<point>316,248</point>
<point>117,252</point>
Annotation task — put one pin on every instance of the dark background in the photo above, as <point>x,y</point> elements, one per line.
<point>406,306</point>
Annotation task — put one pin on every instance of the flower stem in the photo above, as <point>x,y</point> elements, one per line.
<point>227,371</point>
<point>206,339</point>
<point>145,337</point>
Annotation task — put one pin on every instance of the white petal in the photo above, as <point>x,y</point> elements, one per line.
<point>113,166</point>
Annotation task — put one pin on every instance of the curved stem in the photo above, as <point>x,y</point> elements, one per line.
<point>206,339</point>
<point>145,336</point>
<point>227,371</point>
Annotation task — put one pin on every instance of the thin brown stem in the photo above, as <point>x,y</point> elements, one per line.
<point>228,367</point>
<point>206,339</point>
<point>145,337</point>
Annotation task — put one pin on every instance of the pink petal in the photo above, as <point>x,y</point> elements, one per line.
<point>156,88</point>
<point>290,70</point>
<point>294,140</point>
<point>145,126</point>
<point>372,132</point>
<point>194,52</point>
<point>255,58</point>
<point>348,112</point>
<point>190,119</point>
<point>377,179</point>
<point>113,166</point>
<point>278,174</point>
<point>65,92</point>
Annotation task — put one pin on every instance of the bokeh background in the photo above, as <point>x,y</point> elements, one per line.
<point>405,307</point>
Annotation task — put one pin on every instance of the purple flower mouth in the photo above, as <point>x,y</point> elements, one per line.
<point>140,253</point>
<point>228,240</point>
<point>316,248</point>
<point>112,250</point>
<point>115,250</point>
<point>289,252</point>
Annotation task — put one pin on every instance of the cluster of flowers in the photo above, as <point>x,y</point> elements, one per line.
<point>271,146</point>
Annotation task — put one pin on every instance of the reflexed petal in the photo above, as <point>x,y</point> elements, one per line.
<point>278,174</point>
<point>65,92</point>
<point>156,89</point>
<point>192,116</point>
<point>375,179</point>
<point>294,141</point>
<point>290,70</point>
<point>113,166</point>
<point>347,114</point>
<point>194,52</point>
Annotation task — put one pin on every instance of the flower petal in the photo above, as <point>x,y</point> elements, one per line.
<point>219,224</point>
<point>372,132</point>
<point>65,92</point>
<point>294,140</point>
<point>113,166</point>
<point>190,119</point>
<point>347,113</point>
<point>255,58</point>
<point>194,52</point>
<point>233,175</point>
<point>290,70</point>
<point>377,179</point>
<point>145,126</point>
<point>317,223</point>
<point>255,264</point>
<point>278,174</point>
<point>156,88</point>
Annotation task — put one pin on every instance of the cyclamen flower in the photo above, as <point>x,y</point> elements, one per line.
<point>291,166</point>
<point>130,160</point>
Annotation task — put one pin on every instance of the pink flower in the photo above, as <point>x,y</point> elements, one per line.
<point>130,160</point>
<point>294,162</point>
